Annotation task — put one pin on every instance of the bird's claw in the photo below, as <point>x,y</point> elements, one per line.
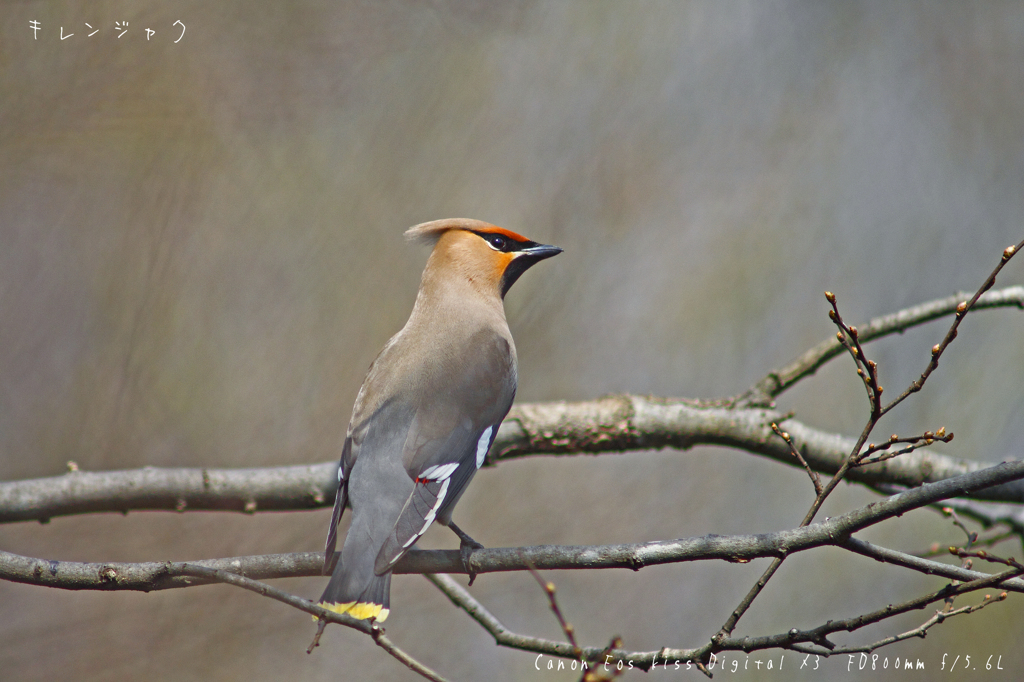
<point>467,546</point>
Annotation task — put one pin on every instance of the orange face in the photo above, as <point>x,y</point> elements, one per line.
<point>468,253</point>
<point>483,253</point>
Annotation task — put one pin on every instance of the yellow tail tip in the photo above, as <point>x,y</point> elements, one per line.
<point>358,610</point>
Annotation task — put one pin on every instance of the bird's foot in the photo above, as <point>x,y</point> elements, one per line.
<point>467,545</point>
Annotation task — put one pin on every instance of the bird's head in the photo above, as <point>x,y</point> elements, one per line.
<point>491,257</point>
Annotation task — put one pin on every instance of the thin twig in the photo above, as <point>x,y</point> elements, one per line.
<point>870,376</point>
<point>966,563</point>
<point>818,635</point>
<point>549,590</point>
<point>961,311</point>
<point>972,536</point>
<point>375,631</point>
<point>986,556</point>
<point>915,442</point>
<point>815,478</point>
<point>921,565</point>
<point>773,384</point>
<point>921,631</point>
<point>594,656</point>
<point>793,639</point>
<point>868,371</point>
<point>987,515</point>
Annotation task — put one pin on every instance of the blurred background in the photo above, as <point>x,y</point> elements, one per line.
<point>201,252</point>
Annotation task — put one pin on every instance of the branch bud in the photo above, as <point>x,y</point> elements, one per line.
<point>961,308</point>
<point>1008,253</point>
<point>831,298</point>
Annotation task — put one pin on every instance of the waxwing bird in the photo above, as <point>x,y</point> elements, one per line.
<point>428,410</point>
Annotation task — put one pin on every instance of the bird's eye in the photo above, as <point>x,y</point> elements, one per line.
<point>497,242</point>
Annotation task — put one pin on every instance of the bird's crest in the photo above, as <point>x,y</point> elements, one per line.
<point>429,233</point>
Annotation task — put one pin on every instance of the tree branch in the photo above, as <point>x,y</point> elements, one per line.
<point>819,634</point>
<point>610,424</point>
<point>461,597</point>
<point>171,489</point>
<point>375,632</point>
<point>792,639</point>
<point>834,531</point>
<point>777,381</point>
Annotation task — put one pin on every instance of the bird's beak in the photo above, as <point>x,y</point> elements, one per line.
<point>522,261</point>
<point>538,252</point>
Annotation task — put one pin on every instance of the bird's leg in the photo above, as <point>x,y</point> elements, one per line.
<point>466,547</point>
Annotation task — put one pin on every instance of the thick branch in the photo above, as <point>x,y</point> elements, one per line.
<point>151,575</point>
<point>628,422</point>
<point>241,490</point>
<point>611,424</point>
<point>986,514</point>
<point>835,531</point>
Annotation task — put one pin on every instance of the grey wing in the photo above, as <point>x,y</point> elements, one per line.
<point>438,488</point>
<point>449,438</point>
<point>340,501</point>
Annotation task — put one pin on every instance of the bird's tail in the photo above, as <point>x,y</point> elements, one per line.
<point>360,596</point>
